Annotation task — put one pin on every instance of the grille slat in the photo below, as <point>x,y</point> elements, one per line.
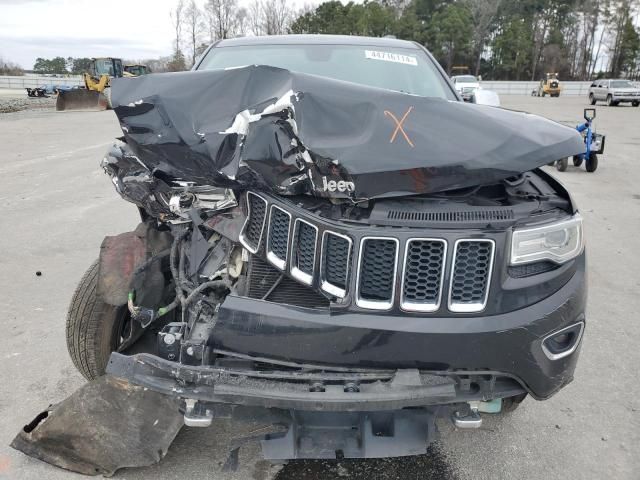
<point>423,275</point>
<point>278,237</point>
<point>471,275</point>
<point>377,273</point>
<point>254,225</point>
<point>336,259</point>
<point>305,240</point>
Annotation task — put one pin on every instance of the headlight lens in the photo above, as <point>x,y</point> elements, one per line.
<point>558,242</point>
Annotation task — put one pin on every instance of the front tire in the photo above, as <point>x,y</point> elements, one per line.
<point>610,102</point>
<point>577,160</point>
<point>635,104</point>
<point>562,164</point>
<point>94,328</point>
<point>592,99</point>
<point>592,163</point>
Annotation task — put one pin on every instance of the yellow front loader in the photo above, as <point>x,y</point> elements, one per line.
<point>97,81</point>
<point>549,85</point>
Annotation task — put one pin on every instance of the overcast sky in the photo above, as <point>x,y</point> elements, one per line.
<point>130,29</point>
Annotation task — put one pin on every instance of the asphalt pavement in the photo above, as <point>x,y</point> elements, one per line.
<point>57,205</point>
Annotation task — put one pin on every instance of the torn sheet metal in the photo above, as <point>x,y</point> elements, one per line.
<point>293,133</point>
<point>106,425</point>
<point>122,254</point>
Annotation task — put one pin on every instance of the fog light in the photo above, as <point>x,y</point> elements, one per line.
<point>564,342</point>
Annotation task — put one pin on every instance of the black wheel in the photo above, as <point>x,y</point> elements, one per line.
<point>509,404</point>
<point>592,99</point>
<point>577,160</point>
<point>94,328</point>
<point>562,164</point>
<point>610,102</point>
<point>544,93</point>
<point>592,163</point>
<point>635,104</point>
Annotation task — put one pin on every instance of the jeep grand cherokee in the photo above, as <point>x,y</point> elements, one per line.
<point>330,233</point>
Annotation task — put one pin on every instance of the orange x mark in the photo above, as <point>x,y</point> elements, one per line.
<point>399,128</point>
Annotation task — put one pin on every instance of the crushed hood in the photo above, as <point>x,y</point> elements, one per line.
<point>291,133</point>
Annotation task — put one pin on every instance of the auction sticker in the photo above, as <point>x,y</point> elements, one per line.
<point>391,57</point>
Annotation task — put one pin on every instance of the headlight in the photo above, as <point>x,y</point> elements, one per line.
<point>558,242</point>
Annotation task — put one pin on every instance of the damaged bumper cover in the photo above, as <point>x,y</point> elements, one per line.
<point>396,362</point>
<point>99,428</point>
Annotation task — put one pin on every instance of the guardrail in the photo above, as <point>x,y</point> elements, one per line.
<point>28,81</point>
<point>525,88</point>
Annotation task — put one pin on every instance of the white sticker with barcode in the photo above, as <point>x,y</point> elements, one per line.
<point>391,57</point>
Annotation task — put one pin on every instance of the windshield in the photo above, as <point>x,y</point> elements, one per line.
<point>621,84</point>
<point>104,67</point>
<point>399,69</point>
<point>466,79</point>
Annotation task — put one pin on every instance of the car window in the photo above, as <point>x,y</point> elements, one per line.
<point>467,79</point>
<point>403,70</point>
<point>594,84</point>
<point>621,84</point>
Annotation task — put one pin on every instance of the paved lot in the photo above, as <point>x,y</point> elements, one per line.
<point>57,206</point>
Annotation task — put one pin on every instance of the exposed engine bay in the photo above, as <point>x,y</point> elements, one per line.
<point>202,239</point>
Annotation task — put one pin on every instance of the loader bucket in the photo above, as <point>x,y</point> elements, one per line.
<point>81,99</point>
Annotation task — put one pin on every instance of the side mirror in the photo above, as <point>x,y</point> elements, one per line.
<point>589,114</point>
<point>486,97</point>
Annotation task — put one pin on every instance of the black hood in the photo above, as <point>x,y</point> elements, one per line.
<point>291,133</point>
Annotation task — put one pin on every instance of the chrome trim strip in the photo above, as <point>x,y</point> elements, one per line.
<point>566,353</point>
<point>295,271</point>
<point>241,237</point>
<point>280,263</point>
<point>421,306</point>
<point>470,307</point>
<point>376,304</point>
<point>324,284</point>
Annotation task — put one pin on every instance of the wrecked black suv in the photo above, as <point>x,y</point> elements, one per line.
<point>328,232</point>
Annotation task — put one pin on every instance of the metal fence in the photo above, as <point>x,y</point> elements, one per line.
<point>28,81</point>
<point>503,88</point>
<point>525,88</point>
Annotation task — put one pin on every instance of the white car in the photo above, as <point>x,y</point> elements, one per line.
<point>614,92</point>
<point>466,85</point>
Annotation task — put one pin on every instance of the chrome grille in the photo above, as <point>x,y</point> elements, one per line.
<point>423,274</point>
<point>377,263</point>
<point>254,225</point>
<point>293,245</point>
<point>278,237</point>
<point>471,275</point>
<point>303,251</point>
<point>336,260</point>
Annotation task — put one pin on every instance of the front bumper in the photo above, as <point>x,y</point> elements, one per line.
<point>509,343</point>
<point>626,98</point>
<point>438,355</point>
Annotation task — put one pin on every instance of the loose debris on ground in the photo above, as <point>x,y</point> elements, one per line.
<point>16,104</point>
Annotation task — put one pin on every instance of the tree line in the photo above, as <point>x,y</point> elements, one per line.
<point>498,39</point>
<point>196,27</point>
<point>61,65</point>
<point>10,68</point>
